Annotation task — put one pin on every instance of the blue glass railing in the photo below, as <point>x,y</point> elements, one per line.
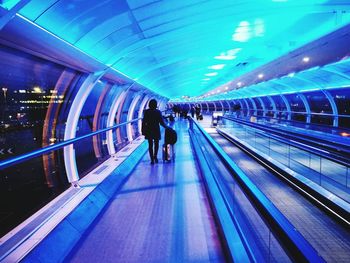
<point>30,180</point>
<point>57,146</point>
<point>313,163</point>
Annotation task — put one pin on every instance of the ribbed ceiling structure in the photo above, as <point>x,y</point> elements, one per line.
<point>181,48</point>
<point>318,78</point>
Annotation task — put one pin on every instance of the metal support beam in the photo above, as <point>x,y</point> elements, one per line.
<point>262,106</point>
<point>141,110</point>
<point>307,107</point>
<point>289,111</point>
<point>254,106</point>
<point>273,106</point>
<point>130,116</point>
<point>207,106</point>
<point>111,119</point>
<point>334,107</point>
<point>247,105</point>
<point>12,12</point>
<point>72,124</point>
<point>222,106</point>
<point>229,105</point>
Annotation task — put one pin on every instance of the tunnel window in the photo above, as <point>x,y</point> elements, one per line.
<point>297,107</point>
<point>233,105</point>
<point>268,106</point>
<point>218,106</point>
<point>226,105</point>
<point>320,107</point>
<point>342,100</point>
<point>122,117</point>
<point>260,111</point>
<point>137,108</point>
<point>109,100</point>
<point>85,155</point>
<point>242,107</point>
<point>134,126</point>
<point>251,107</point>
<point>35,96</point>
<point>280,107</point>
<point>211,106</point>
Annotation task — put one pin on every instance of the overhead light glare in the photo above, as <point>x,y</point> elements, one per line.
<point>217,67</point>
<point>225,57</point>
<point>260,76</point>
<point>242,32</point>
<point>211,74</point>
<point>239,84</point>
<point>228,55</point>
<point>306,59</point>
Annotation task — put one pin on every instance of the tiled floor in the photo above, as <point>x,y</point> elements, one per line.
<point>161,214</point>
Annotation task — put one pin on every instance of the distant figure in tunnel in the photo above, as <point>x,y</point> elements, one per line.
<point>150,128</point>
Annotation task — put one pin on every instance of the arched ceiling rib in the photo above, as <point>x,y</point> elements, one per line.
<point>170,46</point>
<point>331,76</point>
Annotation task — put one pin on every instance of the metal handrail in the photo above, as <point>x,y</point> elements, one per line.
<point>297,244</point>
<point>300,112</point>
<point>56,146</point>
<point>324,150</point>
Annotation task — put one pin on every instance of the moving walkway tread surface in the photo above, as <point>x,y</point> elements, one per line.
<point>161,214</point>
<point>331,240</point>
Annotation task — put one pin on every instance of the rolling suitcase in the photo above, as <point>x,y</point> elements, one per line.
<point>168,152</point>
<point>170,136</point>
<point>168,146</point>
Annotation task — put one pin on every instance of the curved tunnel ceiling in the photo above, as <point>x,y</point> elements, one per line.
<point>187,48</point>
<point>318,78</point>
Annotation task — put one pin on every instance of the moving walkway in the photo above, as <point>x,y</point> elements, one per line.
<point>326,233</point>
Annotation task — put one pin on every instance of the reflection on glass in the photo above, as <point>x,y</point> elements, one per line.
<point>34,102</point>
<point>330,174</point>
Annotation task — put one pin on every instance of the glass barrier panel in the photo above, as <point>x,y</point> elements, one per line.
<point>329,174</point>
<point>28,186</point>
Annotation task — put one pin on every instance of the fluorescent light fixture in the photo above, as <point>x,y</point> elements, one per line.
<point>228,55</point>
<point>219,66</point>
<point>242,32</point>
<point>225,57</point>
<point>306,59</point>
<point>211,74</point>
